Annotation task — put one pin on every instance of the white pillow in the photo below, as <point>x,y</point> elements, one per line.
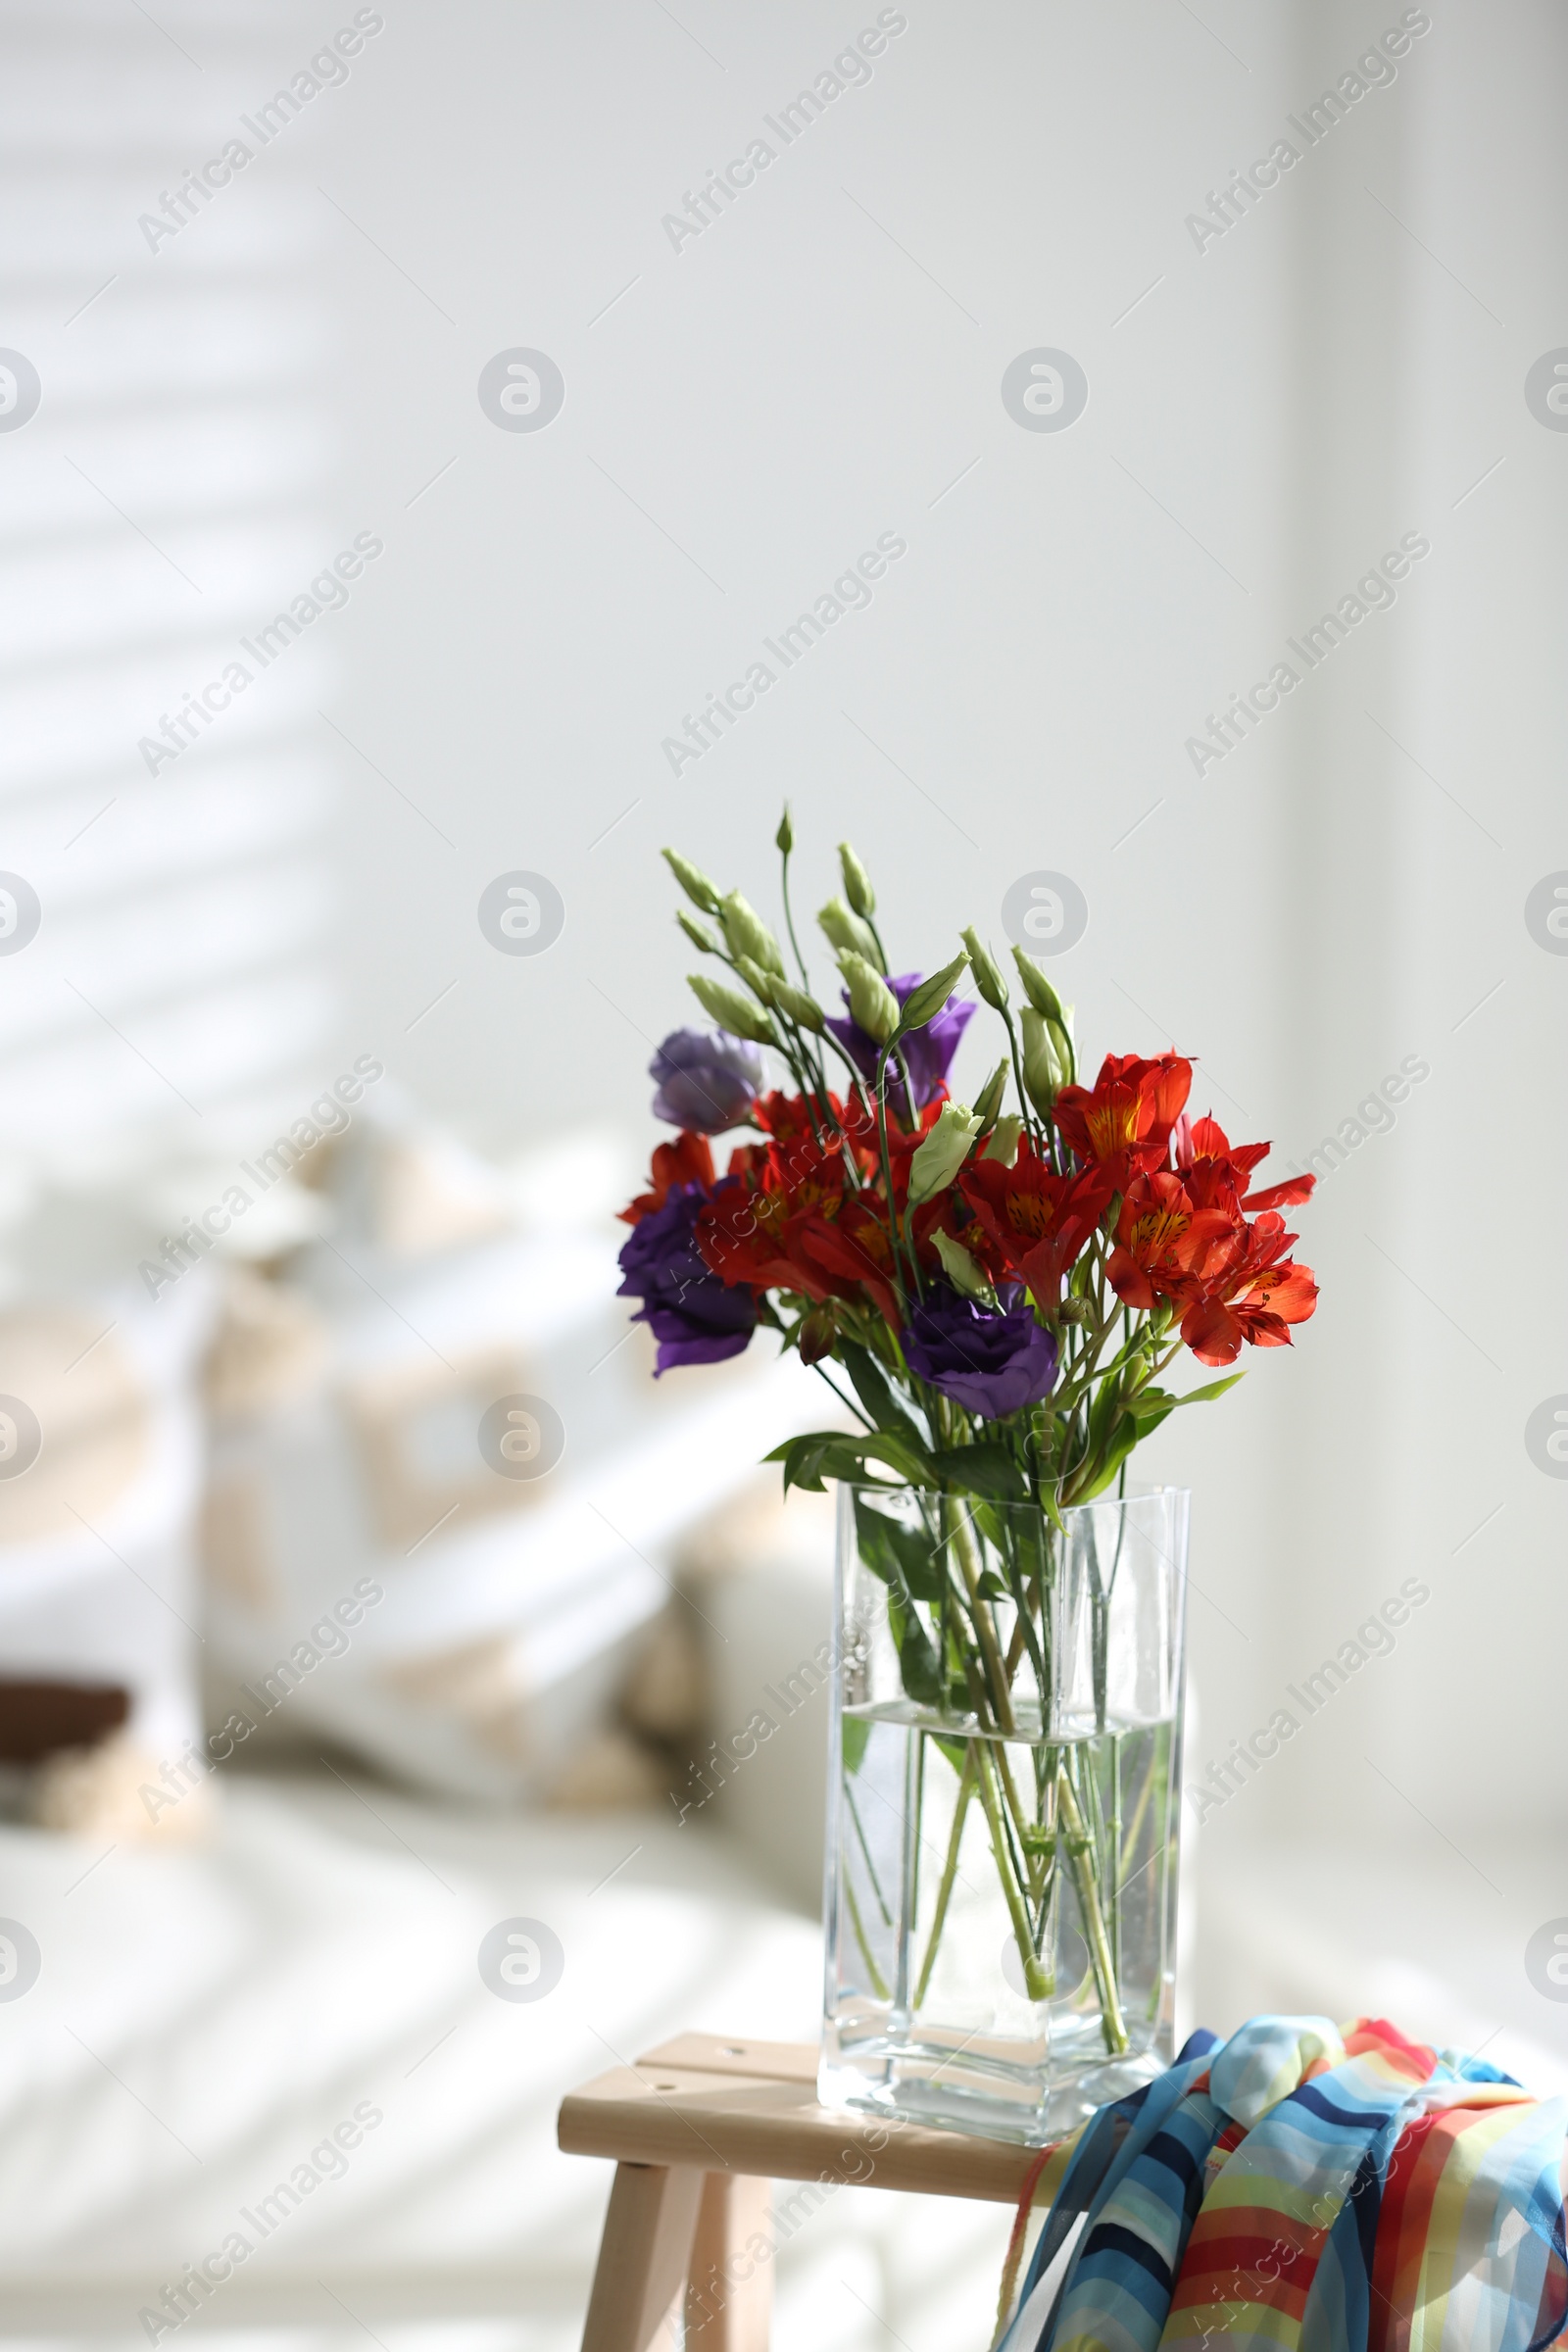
<point>100,1465</point>
<point>469,1459</point>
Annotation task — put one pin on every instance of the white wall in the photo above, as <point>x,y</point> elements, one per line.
<point>821,365</point>
<point>174,479</point>
<point>1281,408</point>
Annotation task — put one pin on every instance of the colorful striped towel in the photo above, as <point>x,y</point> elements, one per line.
<point>1302,2188</point>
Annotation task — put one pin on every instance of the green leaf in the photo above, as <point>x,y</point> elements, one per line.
<point>955,1752</point>
<point>989,1522</point>
<point>988,1470</point>
<point>917,1660</point>
<point>1212,1387</point>
<point>904,1557</point>
<point>1102,1414</point>
<point>844,1454</point>
<point>1121,1445</point>
<point>872,1389</point>
<point>856,1733</point>
<point>930,996</point>
<point>1151,1406</point>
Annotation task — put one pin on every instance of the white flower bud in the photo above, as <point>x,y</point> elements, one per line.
<point>943,1154</point>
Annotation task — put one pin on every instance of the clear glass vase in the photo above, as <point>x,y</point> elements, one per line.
<point>1003,1802</point>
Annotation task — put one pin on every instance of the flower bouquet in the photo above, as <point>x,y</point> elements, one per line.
<point>994,1293</point>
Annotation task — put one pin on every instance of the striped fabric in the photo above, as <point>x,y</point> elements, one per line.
<point>1303,2188</point>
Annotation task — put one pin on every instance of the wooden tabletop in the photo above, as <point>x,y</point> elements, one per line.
<point>750,2107</point>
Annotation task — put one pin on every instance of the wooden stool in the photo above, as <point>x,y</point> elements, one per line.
<point>699,2128</point>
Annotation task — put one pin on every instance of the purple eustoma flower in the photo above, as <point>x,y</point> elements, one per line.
<point>927,1051</point>
<point>696,1318</point>
<point>993,1364</point>
<point>706,1079</point>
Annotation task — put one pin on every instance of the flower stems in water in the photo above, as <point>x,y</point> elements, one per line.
<point>1038,1983</point>
<point>1076,1837</point>
<point>948,1873</point>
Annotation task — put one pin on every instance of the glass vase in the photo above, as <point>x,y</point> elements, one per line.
<point>1003,1796</point>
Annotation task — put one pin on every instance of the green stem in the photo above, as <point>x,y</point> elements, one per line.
<point>881,1093</point>
<point>870,1866</point>
<point>788,925</point>
<point>1129,1844</point>
<point>1114,1854</point>
<point>879,1983</point>
<point>961,1536</point>
<point>949,1868</point>
<point>1075,1835</point>
<point>1038,1983</point>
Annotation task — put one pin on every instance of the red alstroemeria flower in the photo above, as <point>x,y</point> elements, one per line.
<point>1203,1153</point>
<point>687,1160</point>
<point>793,1153</point>
<point>801,1228</point>
<point>1243,1286</point>
<point>755,1238</point>
<point>853,1254</point>
<point>809,1175</point>
<point>783,1116</point>
<point>1037,1220</point>
<point>788,1119</point>
<point>1124,1122</point>
<point>1157,1229</point>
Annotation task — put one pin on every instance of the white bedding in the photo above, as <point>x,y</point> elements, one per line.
<point>204,2020</point>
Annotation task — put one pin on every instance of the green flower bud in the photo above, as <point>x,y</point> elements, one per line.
<point>1036,987</point>
<point>965,1273</point>
<point>1042,1074</point>
<point>1058,1015</point>
<point>856,881</point>
<point>848,933</point>
<point>987,1102</point>
<point>693,881</point>
<point>756,979</point>
<point>1002,1143</point>
<point>871,1000</point>
<point>748,934</point>
<point>817,1334</point>
<point>943,1154</point>
<point>987,975</point>
<point>731,1009</point>
<point>931,995</point>
<point>784,838</point>
<point>698,933</point>
<point>804,1011</point>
